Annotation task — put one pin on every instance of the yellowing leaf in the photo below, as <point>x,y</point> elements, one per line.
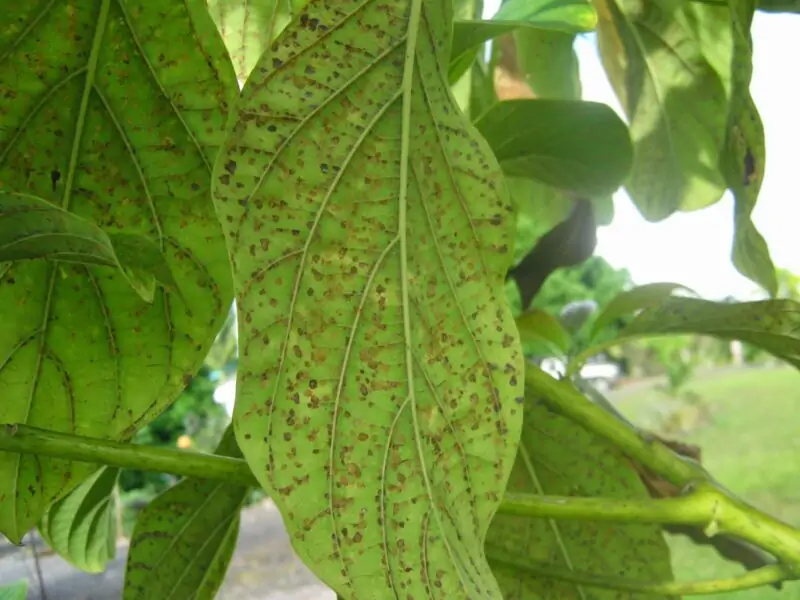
<point>380,372</point>
<point>114,112</point>
<point>560,458</point>
<point>248,27</point>
<point>185,538</point>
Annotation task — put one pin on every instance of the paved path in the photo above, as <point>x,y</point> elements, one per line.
<point>263,568</point>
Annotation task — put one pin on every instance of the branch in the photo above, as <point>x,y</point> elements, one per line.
<point>694,509</point>
<point>757,578</point>
<point>30,440</point>
<point>707,505</point>
<point>728,515</point>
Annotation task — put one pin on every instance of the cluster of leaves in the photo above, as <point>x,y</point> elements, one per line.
<point>361,196</point>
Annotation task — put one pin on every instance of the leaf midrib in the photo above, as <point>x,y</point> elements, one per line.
<point>526,458</point>
<point>409,65</point>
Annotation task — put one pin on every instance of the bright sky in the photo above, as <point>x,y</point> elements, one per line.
<point>694,248</point>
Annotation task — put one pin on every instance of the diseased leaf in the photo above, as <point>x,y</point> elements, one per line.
<point>112,111</point>
<point>744,155</point>
<point>582,147</point>
<point>184,539</point>
<point>248,27</point>
<point>380,372</point>
<point>14,591</point>
<point>31,228</point>
<point>570,16</point>
<point>772,325</point>
<point>629,301</point>
<point>568,244</point>
<point>82,526</point>
<point>674,100</point>
<point>536,326</point>
<point>559,457</point>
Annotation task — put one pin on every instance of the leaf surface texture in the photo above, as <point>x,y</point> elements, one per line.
<point>380,375</point>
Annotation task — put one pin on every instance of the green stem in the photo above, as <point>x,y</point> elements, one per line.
<point>729,514</point>
<point>576,362</point>
<point>695,509</point>
<point>706,506</point>
<point>30,440</point>
<point>752,579</point>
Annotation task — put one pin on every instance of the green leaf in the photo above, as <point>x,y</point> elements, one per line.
<point>184,539</point>
<point>483,94</point>
<point>380,372</point>
<point>744,155</point>
<point>579,146</point>
<point>114,112</point>
<point>549,63</point>
<point>536,326</point>
<point>629,301</point>
<point>31,228</point>
<point>82,526</point>
<point>788,6</point>
<point>772,325</point>
<point>540,207</point>
<point>570,16</point>
<point>14,591</point>
<point>559,457</point>
<point>568,244</point>
<point>674,100</point>
<point>248,27</point>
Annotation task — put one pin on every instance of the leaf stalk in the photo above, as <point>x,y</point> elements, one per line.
<point>23,439</point>
<point>722,511</point>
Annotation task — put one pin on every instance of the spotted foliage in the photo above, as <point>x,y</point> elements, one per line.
<point>560,458</point>
<point>114,111</point>
<point>82,526</point>
<point>249,27</point>
<point>184,539</point>
<point>772,325</point>
<point>380,374</point>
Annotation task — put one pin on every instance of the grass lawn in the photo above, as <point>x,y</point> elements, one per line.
<point>752,447</point>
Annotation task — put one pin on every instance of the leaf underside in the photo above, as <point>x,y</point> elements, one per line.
<point>32,228</point>
<point>185,538</point>
<point>113,111</point>
<point>771,325</point>
<point>82,526</point>
<point>380,374</point>
<point>674,101</point>
<point>247,28</point>
<point>558,457</point>
<point>744,156</point>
